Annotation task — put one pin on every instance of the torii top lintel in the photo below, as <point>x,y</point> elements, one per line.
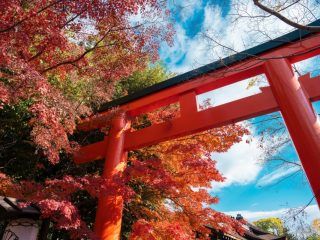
<point>294,47</point>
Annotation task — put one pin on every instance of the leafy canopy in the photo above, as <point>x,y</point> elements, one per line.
<point>271,225</point>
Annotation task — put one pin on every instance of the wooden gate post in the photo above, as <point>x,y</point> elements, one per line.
<point>109,211</point>
<point>302,122</point>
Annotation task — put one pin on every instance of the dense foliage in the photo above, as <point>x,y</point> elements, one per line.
<point>170,181</point>
<point>59,60</point>
<point>271,225</point>
<point>63,55</point>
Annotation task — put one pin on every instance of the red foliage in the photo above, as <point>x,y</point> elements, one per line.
<point>54,197</point>
<point>180,176</point>
<point>89,40</point>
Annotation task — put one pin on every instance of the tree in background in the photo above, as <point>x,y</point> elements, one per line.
<point>316,228</point>
<point>307,11</point>
<point>313,237</point>
<point>271,225</point>
<point>142,79</point>
<point>298,229</point>
<point>316,225</point>
<point>275,226</point>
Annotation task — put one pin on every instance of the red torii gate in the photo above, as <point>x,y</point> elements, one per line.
<point>287,93</point>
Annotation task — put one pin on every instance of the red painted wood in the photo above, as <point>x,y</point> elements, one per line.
<point>302,122</point>
<point>189,122</point>
<point>109,211</point>
<point>96,150</point>
<point>91,152</point>
<point>188,104</point>
<point>294,52</point>
<point>199,121</point>
<point>311,86</point>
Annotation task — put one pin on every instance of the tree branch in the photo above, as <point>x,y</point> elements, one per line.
<point>63,26</point>
<point>286,20</point>
<point>26,18</point>
<point>72,61</point>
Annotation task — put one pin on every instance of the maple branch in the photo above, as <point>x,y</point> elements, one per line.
<point>26,18</point>
<point>72,61</point>
<point>38,53</point>
<point>68,61</point>
<point>73,18</point>
<point>63,26</point>
<point>286,20</point>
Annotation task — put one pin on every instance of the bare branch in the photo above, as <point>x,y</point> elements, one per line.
<point>286,20</point>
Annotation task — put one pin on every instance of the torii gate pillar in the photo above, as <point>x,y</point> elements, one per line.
<point>302,122</point>
<point>109,211</point>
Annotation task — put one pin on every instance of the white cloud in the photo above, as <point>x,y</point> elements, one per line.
<point>238,34</point>
<point>313,212</point>
<point>277,175</point>
<point>194,49</point>
<point>255,215</point>
<point>243,162</point>
<point>240,165</point>
<point>185,8</point>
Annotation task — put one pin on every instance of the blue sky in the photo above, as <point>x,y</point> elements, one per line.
<point>253,187</point>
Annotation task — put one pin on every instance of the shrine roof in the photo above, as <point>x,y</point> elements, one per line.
<point>10,208</point>
<point>252,232</point>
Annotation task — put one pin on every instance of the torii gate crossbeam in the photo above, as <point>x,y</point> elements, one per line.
<point>287,93</point>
